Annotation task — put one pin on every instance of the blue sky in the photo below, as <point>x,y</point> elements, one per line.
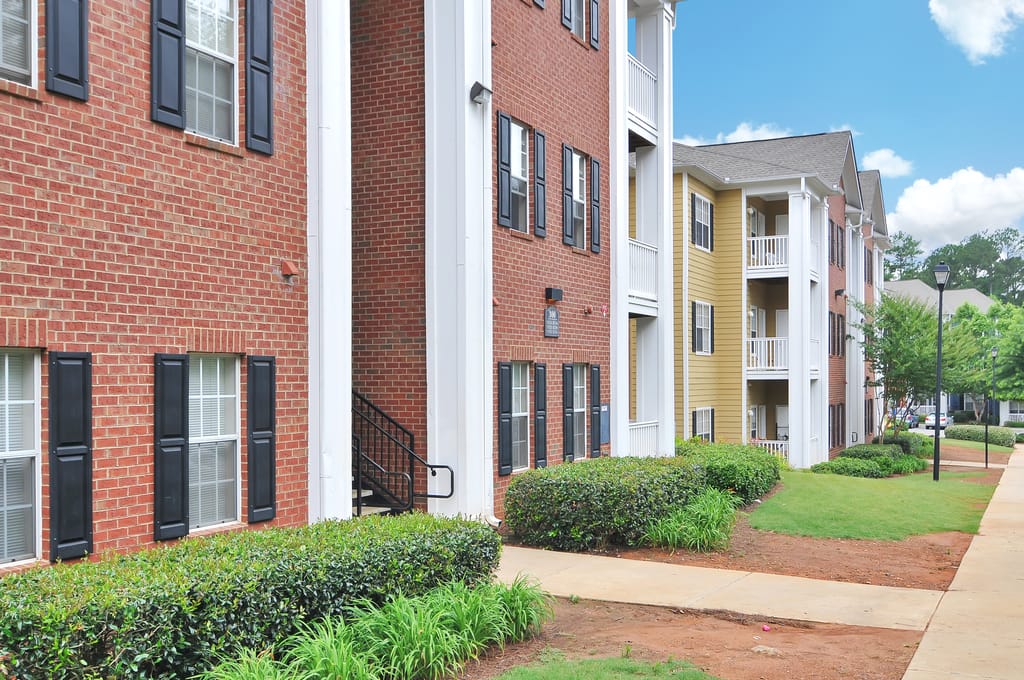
<point>933,92</point>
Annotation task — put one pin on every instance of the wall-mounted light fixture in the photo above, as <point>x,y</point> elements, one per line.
<point>479,93</point>
<point>553,295</point>
<point>288,270</point>
<point>839,292</point>
<point>750,210</point>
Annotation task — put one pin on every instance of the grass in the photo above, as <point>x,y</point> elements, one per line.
<point>833,506</point>
<point>554,666</point>
<point>967,444</point>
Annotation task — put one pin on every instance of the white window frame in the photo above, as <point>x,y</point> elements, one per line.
<point>521,393</point>
<point>195,440</point>
<point>232,60</point>
<point>703,423</point>
<point>34,452</point>
<point>701,316</point>
<point>519,157</point>
<point>579,199</point>
<point>32,45</point>
<point>579,410</point>
<point>579,9</point>
<point>702,225</point>
<point>1015,414</point>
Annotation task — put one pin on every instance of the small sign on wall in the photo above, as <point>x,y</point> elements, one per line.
<point>606,424</point>
<point>551,322</point>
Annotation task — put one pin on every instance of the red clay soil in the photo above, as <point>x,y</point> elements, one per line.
<point>735,647</point>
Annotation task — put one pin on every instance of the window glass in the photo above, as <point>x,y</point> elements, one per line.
<point>213,439</point>
<point>16,41</point>
<point>703,429</point>
<point>210,68</point>
<point>579,410</point>
<point>520,157</point>
<point>702,323</point>
<point>579,199</point>
<point>18,455</point>
<point>520,415</point>
<point>579,18</point>
<point>702,223</point>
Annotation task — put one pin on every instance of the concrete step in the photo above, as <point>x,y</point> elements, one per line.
<point>365,493</point>
<point>371,510</point>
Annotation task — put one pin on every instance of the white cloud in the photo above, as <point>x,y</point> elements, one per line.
<point>957,206</point>
<point>978,27</point>
<point>888,163</point>
<point>744,132</point>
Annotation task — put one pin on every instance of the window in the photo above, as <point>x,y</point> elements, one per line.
<point>575,199</point>
<point>18,455</point>
<point>579,199</point>
<point>579,410</point>
<point>16,37</point>
<point>211,79</point>
<point>703,328</point>
<point>575,16</point>
<point>213,424</point>
<point>520,415</point>
<point>869,266</point>
<point>702,223</point>
<point>836,425</point>
<point>579,18</point>
<point>704,423</point>
<point>519,184</point>
<point>1016,411</point>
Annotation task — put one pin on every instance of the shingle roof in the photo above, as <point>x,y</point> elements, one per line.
<point>871,190</point>
<point>916,289</point>
<point>823,155</point>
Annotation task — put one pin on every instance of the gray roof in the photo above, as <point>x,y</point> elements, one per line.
<point>916,289</point>
<point>871,190</point>
<point>823,155</point>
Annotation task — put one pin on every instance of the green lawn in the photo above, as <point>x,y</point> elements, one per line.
<point>967,444</point>
<point>553,667</point>
<point>833,506</point>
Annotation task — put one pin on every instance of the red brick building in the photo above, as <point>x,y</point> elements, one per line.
<point>153,337</point>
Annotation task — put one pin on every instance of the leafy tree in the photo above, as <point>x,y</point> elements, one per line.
<point>967,357</point>
<point>991,261</point>
<point>1008,321</point>
<point>899,343</point>
<point>903,258</point>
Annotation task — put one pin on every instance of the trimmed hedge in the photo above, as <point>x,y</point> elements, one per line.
<point>1003,436</point>
<point>869,451</point>
<point>912,443</point>
<point>170,612</point>
<point>964,417</point>
<point>850,467</point>
<point>748,471</point>
<point>597,502</point>
<point>1013,423</point>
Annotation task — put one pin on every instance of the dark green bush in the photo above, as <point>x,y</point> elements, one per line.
<point>1014,423</point>
<point>1002,436</point>
<point>1020,437</point>
<point>170,612</point>
<point>905,465</point>
<point>869,451</point>
<point>748,471</point>
<point>963,417</point>
<point>850,467</point>
<point>912,443</point>
<point>597,502</point>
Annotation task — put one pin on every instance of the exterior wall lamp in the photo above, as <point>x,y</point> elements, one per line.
<point>479,93</point>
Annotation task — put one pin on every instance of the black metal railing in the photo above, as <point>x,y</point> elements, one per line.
<point>384,457</point>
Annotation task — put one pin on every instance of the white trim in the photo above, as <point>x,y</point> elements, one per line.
<point>704,413</point>
<point>685,308</point>
<point>618,184</point>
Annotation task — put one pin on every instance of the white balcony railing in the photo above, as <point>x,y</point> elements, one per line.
<point>643,438</point>
<point>768,354</point>
<point>764,252</point>
<point>643,92</point>
<point>776,447</point>
<point>643,270</point>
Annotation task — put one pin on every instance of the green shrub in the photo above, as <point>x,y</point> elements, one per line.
<point>1020,437</point>
<point>1002,436</point>
<point>850,467</point>
<point>169,612</point>
<point>703,524</point>
<point>597,502</point>
<point>963,417</point>
<point>1014,423</point>
<point>748,471</point>
<point>905,465</point>
<point>869,451</point>
<point>912,443</point>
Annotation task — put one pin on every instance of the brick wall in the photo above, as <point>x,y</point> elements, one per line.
<point>837,305</point>
<point>125,238</point>
<point>549,80</point>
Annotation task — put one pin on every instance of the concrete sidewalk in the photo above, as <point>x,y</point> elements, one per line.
<point>972,631</point>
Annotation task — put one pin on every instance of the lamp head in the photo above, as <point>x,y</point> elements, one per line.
<point>941,272</point>
<point>995,352</point>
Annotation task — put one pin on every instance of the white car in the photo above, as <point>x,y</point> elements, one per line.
<point>929,422</point>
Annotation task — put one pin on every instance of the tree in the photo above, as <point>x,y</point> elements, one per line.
<point>903,258</point>
<point>899,343</point>
<point>967,355</point>
<point>991,261</point>
<point>1008,321</point>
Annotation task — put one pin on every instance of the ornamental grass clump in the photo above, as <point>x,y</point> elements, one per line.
<point>704,524</point>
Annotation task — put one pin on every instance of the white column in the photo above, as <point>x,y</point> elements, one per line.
<point>855,389</point>
<point>618,184</point>
<point>458,254</point>
<point>799,327</point>
<point>329,168</point>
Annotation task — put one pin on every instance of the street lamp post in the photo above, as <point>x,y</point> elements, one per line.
<point>989,403</point>
<point>941,272</point>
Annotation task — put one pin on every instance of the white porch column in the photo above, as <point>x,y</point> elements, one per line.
<point>458,253</point>
<point>800,348</point>
<point>329,238</point>
<point>855,388</point>
<point>618,185</point>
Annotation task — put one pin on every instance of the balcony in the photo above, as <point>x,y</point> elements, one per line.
<point>767,357</point>
<point>767,256</point>
<point>643,275</point>
<point>643,438</point>
<point>642,107</point>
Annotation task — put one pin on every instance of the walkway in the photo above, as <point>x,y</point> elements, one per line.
<point>971,632</point>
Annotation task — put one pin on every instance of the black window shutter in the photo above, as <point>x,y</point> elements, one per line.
<point>693,218</point>
<point>540,415</point>
<point>693,427</point>
<point>567,224</point>
<point>711,332</point>
<point>170,444</point>
<point>504,170</point>
<point>168,62</point>
<point>67,47</point>
<point>595,23</point>
<point>259,75</point>
<point>693,325</point>
<point>595,411</point>
<point>712,425</point>
<point>540,184</point>
<point>568,444</point>
<point>70,455</point>
<point>711,226</point>
<point>567,14</point>
<point>539,3</point>
<point>262,418</point>
<point>595,206</point>
<point>504,418</point>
